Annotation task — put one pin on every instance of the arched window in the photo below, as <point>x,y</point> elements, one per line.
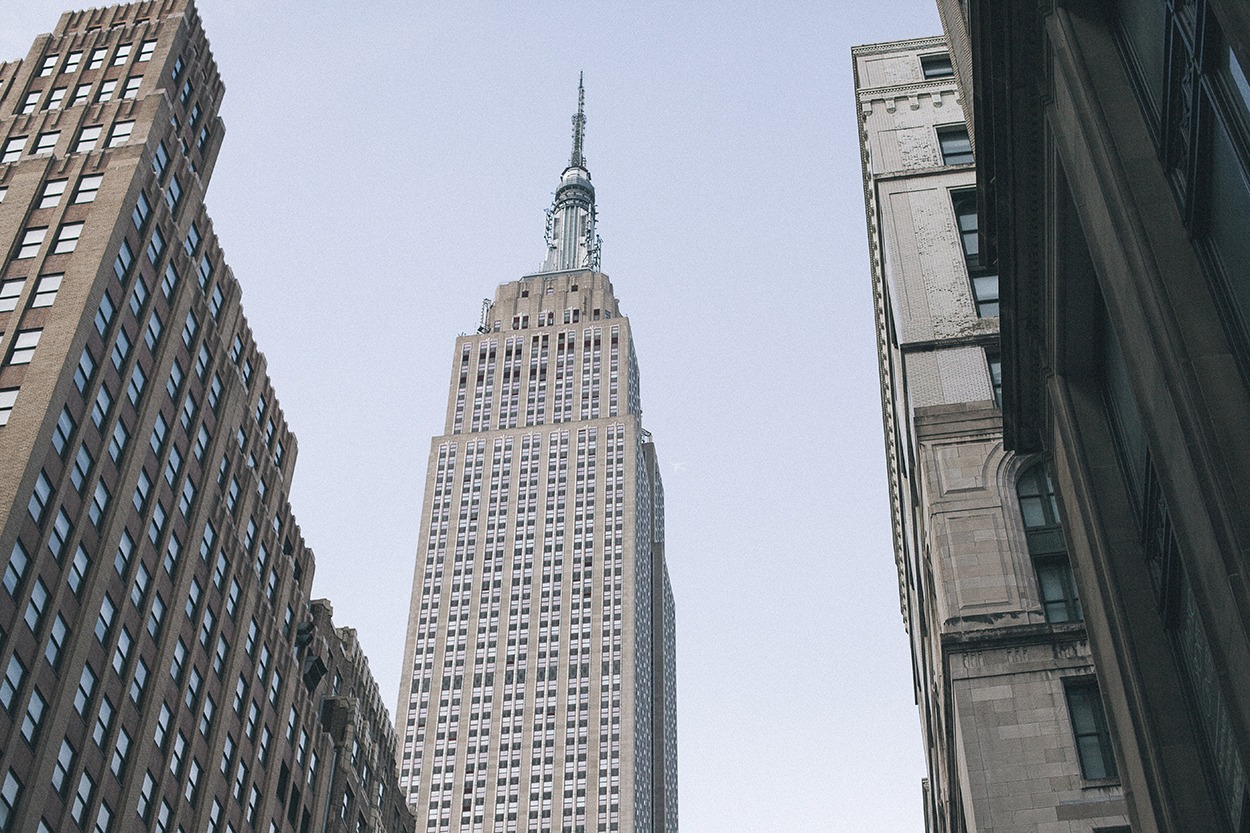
<point>1044,534</point>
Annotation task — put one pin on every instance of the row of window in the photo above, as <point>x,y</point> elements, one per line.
<point>73,60</point>
<point>88,138</point>
<point>65,241</point>
<point>55,99</point>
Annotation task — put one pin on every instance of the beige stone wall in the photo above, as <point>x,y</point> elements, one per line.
<point>990,669</point>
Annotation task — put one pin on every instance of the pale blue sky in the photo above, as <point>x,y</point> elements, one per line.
<point>387,164</point>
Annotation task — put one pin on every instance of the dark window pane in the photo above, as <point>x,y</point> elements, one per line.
<point>1142,23</point>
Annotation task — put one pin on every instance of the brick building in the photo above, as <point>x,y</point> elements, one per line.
<point>163,667</point>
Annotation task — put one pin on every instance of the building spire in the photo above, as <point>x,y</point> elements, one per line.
<point>571,239</point>
<point>577,159</point>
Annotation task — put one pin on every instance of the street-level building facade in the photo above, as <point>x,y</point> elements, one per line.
<point>163,666</point>
<point>538,692</point>
<point>1113,139</point>
<point>1014,730</point>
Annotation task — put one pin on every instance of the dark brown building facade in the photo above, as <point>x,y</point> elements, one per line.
<point>163,667</point>
<point>1113,161</point>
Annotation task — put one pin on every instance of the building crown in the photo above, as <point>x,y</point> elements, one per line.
<point>571,239</point>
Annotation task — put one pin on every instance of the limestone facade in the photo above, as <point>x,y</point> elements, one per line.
<point>1005,681</point>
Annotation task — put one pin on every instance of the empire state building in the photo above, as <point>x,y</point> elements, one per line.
<point>539,685</point>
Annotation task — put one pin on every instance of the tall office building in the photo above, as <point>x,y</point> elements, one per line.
<point>1014,730</point>
<point>163,667</point>
<point>1113,141</point>
<point>539,682</point>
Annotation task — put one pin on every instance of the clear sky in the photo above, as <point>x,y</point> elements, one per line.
<point>387,164</point>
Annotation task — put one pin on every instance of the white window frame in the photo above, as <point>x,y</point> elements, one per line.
<point>67,238</point>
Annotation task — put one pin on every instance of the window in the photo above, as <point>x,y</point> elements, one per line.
<point>1043,532</point>
<point>86,688</point>
<point>104,622</point>
<point>189,329</point>
<point>67,238</point>
<point>39,498</point>
<point>131,90</point>
<point>146,50</point>
<point>97,58</point>
<point>99,503</point>
<point>81,93</point>
<point>937,65</point>
<point>156,245</point>
<point>24,346</point>
<point>160,159</point>
<point>13,149</point>
<point>16,569</point>
<point>120,134</point>
<point>9,795</point>
<point>49,64</point>
<point>142,211</point>
<point>135,389</point>
<point>170,281</point>
<point>152,335</point>
<point>52,193</point>
<point>71,63</point>
<point>193,240</point>
<point>56,640</point>
<point>12,682</point>
<point>123,52</point>
<point>996,377</point>
<point>82,799</point>
<point>64,429</point>
<point>106,90</point>
<point>32,240</point>
<point>34,716</point>
<point>88,137</point>
<point>88,187</point>
<point>46,289</point>
<point>955,144</point>
<point>84,371</point>
<point>56,99</point>
<point>1089,727</point>
<point>81,468</point>
<point>100,410</point>
<point>10,291</point>
<point>8,398</point>
<point>117,444</point>
<point>173,193</point>
<point>30,102</point>
<point>64,763</point>
<point>124,641</point>
<point>984,286</point>
<point>140,681</point>
<point>138,298</point>
<point>104,819</point>
<point>120,748</point>
<point>61,530</point>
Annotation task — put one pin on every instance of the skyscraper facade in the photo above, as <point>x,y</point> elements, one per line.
<point>538,691</point>
<point>1014,730</point>
<point>1113,142</point>
<point>163,666</point>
